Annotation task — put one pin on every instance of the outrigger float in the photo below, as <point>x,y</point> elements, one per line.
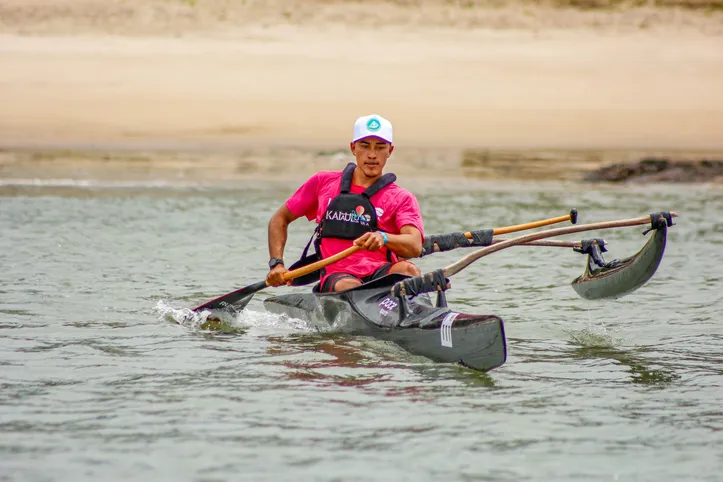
<point>398,308</point>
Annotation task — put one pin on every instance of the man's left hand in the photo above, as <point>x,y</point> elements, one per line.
<point>370,241</point>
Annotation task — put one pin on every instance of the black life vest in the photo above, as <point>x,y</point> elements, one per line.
<point>350,215</point>
<point>347,216</point>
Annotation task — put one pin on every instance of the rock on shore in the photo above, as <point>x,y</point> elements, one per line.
<point>660,170</point>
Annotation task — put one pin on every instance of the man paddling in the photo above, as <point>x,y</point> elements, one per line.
<point>357,206</point>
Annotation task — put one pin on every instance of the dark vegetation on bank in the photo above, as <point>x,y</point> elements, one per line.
<point>594,166</point>
<point>178,17</point>
<point>580,4</point>
<point>660,170</point>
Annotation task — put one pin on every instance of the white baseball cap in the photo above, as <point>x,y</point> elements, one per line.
<point>372,125</point>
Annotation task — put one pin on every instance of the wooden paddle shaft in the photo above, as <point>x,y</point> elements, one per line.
<point>310,268</point>
<point>536,224</point>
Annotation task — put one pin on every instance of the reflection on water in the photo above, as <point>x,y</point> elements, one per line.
<point>361,355</point>
<point>640,369</point>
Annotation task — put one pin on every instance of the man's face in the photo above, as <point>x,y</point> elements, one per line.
<point>371,155</point>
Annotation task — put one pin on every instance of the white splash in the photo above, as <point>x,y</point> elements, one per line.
<point>595,335</point>
<point>182,316</point>
<point>589,338</point>
<point>245,319</point>
<point>265,320</point>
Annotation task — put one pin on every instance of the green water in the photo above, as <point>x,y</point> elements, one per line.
<point>98,381</point>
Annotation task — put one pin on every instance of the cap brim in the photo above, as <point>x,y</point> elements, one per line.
<point>371,135</point>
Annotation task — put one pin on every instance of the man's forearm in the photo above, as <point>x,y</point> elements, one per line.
<point>278,232</point>
<point>405,245</point>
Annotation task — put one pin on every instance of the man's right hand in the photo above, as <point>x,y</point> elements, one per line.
<point>276,276</point>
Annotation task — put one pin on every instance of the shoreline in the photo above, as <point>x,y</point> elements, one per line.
<point>226,166</point>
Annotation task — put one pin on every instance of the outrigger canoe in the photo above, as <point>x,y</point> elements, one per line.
<point>398,308</point>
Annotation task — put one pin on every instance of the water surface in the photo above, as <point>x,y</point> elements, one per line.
<point>100,383</point>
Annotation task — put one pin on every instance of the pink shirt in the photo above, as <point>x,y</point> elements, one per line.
<point>395,207</point>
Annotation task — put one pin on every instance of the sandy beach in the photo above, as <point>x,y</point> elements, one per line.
<point>223,80</point>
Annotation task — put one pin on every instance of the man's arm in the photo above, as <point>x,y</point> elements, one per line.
<point>407,244</point>
<point>278,232</point>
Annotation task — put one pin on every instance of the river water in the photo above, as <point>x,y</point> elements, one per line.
<point>102,377</point>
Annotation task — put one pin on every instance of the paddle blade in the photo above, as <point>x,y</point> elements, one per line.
<point>234,301</point>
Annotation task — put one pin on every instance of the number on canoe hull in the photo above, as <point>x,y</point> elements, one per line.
<point>445,330</point>
<point>387,305</point>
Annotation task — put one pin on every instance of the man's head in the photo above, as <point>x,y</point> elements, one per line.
<point>372,144</point>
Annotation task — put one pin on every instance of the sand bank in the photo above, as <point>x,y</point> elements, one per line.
<point>280,77</point>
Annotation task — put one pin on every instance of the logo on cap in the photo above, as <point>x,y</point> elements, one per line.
<point>374,125</point>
